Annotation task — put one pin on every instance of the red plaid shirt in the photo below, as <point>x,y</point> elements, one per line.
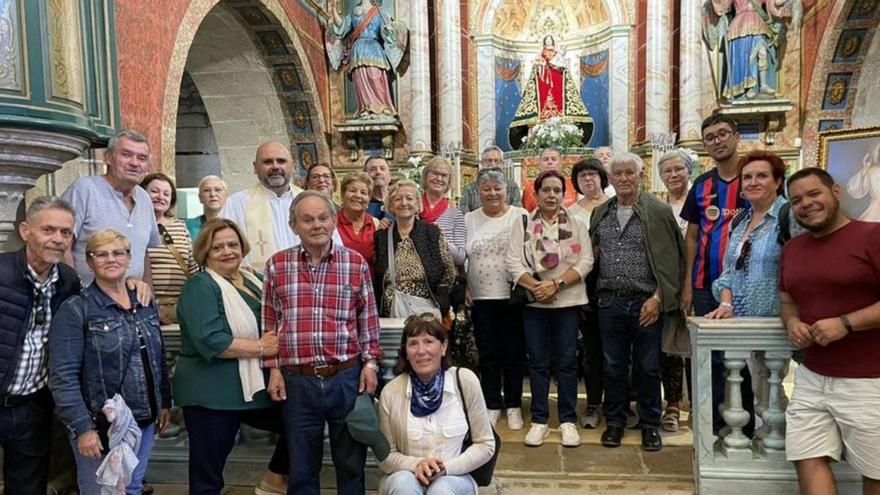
<point>323,314</point>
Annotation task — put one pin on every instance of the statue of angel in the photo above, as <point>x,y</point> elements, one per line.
<point>370,45</point>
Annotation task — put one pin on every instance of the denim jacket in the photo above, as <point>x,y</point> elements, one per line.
<point>94,353</point>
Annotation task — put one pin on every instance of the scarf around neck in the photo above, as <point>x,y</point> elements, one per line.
<point>430,214</point>
<point>549,246</point>
<point>426,397</point>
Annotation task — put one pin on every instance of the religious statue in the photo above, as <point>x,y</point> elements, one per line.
<point>745,38</point>
<point>370,45</point>
<point>550,92</point>
<point>866,182</point>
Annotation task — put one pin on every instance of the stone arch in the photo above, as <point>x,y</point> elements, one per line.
<point>862,69</point>
<point>276,46</point>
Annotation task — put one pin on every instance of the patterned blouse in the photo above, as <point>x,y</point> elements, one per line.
<point>411,274</point>
<point>755,285</point>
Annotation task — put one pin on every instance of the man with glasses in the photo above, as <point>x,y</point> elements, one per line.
<point>33,284</point>
<point>491,159</point>
<point>115,201</point>
<point>711,204</point>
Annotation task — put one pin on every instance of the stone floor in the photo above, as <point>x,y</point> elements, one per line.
<point>590,468</point>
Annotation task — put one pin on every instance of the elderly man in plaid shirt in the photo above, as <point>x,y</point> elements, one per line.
<point>318,297</point>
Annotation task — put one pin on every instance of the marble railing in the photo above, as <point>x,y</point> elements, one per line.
<point>733,463</point>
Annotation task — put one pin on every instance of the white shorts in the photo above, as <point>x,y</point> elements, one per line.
<point>826,415</point>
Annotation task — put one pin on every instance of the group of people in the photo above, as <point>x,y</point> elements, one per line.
<point>278,293</point>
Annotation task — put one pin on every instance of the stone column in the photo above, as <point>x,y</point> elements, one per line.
<point>657,95</point>
<point>690,75</point>
<point>449,70</point>
<point>485,93</point>
<point>619,87</point>
<point>420,74</point>
<point>25,155</point>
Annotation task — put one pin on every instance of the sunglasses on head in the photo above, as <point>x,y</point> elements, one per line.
<point>166,236</point>
<point>419,317</point>
<point>743,260</point>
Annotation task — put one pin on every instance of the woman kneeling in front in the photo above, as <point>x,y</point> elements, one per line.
<point>421,415</point>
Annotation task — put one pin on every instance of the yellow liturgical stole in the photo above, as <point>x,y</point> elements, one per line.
<point>260,224</point>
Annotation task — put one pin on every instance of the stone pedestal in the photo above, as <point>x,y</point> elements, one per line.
<point>368,134</point>
<point>25,155</point>
<point>770,112</point>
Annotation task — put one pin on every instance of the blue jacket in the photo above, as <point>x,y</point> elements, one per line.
<point>94,353</point>
<point>16,305</point>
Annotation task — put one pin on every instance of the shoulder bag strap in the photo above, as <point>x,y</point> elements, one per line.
<point>174,252</point>
<point>525,222</point>
<point>392,268</point>
<point>463,401</point>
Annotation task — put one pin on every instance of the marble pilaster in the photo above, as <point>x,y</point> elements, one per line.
<point>485,94</point>
<point>619,89</point>
<point>420,75</point>
<point>657,77</point>
<point>449,74</point>
<point>690,72</point>
<point>25,155</point>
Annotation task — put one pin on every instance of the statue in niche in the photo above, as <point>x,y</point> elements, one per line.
<point>370,45</point>
<point>550,92</point>
<point>745,38</point>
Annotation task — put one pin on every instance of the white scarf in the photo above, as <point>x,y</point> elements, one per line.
<point>244,326</point>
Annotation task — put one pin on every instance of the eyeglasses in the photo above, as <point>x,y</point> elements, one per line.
<point>590,174</point>
<point>717,138</point>
<point>419,317</point>
<point>674,170</point>
<point>743,260</point>
<point>321,177</point>
<point>39,315</point>
<point>166,236</point>
<point>216,248</point>
<point>104,256</point>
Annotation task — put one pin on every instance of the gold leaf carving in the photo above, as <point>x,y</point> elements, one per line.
<point>64,50</point>
<point>10,55</point>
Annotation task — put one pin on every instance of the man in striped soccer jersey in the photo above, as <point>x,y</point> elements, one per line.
<point>710,206</point>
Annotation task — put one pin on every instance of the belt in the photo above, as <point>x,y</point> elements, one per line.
<point>41,395</point>
<point>322,370</point>
<point>624,294</point>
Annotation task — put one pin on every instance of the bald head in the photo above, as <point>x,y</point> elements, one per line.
<point>273,165</point>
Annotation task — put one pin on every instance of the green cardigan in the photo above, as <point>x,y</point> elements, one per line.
<point>665,249</point>
<point>202,378</point>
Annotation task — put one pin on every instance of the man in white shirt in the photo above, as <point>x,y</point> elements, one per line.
<point>262,210</point>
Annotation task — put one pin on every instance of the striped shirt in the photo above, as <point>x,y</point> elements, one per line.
<point>710,205</point>
<point>323,314</point>
<point>32,371</point>
<point>168,276</point>
<point>451,223</point>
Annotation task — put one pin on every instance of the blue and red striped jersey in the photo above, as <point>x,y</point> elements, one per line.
<point>711,204</point>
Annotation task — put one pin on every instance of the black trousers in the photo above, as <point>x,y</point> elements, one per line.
<point>212,436</point>
<point>593,360</point>
<point>498,331</point>
<point>26,438</point>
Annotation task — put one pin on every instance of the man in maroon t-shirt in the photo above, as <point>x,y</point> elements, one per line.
<point>832,311</point>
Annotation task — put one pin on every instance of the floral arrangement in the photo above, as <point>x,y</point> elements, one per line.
<point>558,132</point>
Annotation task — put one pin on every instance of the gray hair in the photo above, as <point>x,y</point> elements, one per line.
<point>43,203</point>
<point>680,153</point>
<point>492,175</point>
<point>490,149</point>
<point>626,158</point>
<point>551,148</point>
<point>331,208</point>
<point>130,134</point>
<point>213,177</point>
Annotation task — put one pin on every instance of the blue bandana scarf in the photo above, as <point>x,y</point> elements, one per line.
<point>426,397</point>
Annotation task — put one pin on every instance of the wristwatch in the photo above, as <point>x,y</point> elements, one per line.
<point>372,365</point>
<point>560,283</point>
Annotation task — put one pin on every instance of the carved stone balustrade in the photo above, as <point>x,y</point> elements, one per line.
<point>735,463</point>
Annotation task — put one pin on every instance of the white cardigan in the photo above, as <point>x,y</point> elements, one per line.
<point>394,403</point>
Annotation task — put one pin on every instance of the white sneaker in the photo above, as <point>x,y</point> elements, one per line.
<point>570,435</point>
<point>514,418</point>
<point>536,435</point>
<point>494,414</point>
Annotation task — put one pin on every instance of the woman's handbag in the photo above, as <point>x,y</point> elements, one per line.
<point>483,474</point>
<point>403,304</point>
<point>519,294</point>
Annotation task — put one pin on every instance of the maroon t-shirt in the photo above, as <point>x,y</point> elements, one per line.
<point>831,276</point>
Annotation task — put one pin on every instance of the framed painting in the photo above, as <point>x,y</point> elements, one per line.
<point>852,157</point>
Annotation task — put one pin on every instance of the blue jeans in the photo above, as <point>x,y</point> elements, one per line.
<point>86,467</point>
<point>405,483</point>
<point>621,335</point>
<point>552,332</point>
<point>704,302</point>
<point>26,437</point>
<point>311,403</point>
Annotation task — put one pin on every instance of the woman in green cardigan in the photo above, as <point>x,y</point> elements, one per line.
<point>218,381</point>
